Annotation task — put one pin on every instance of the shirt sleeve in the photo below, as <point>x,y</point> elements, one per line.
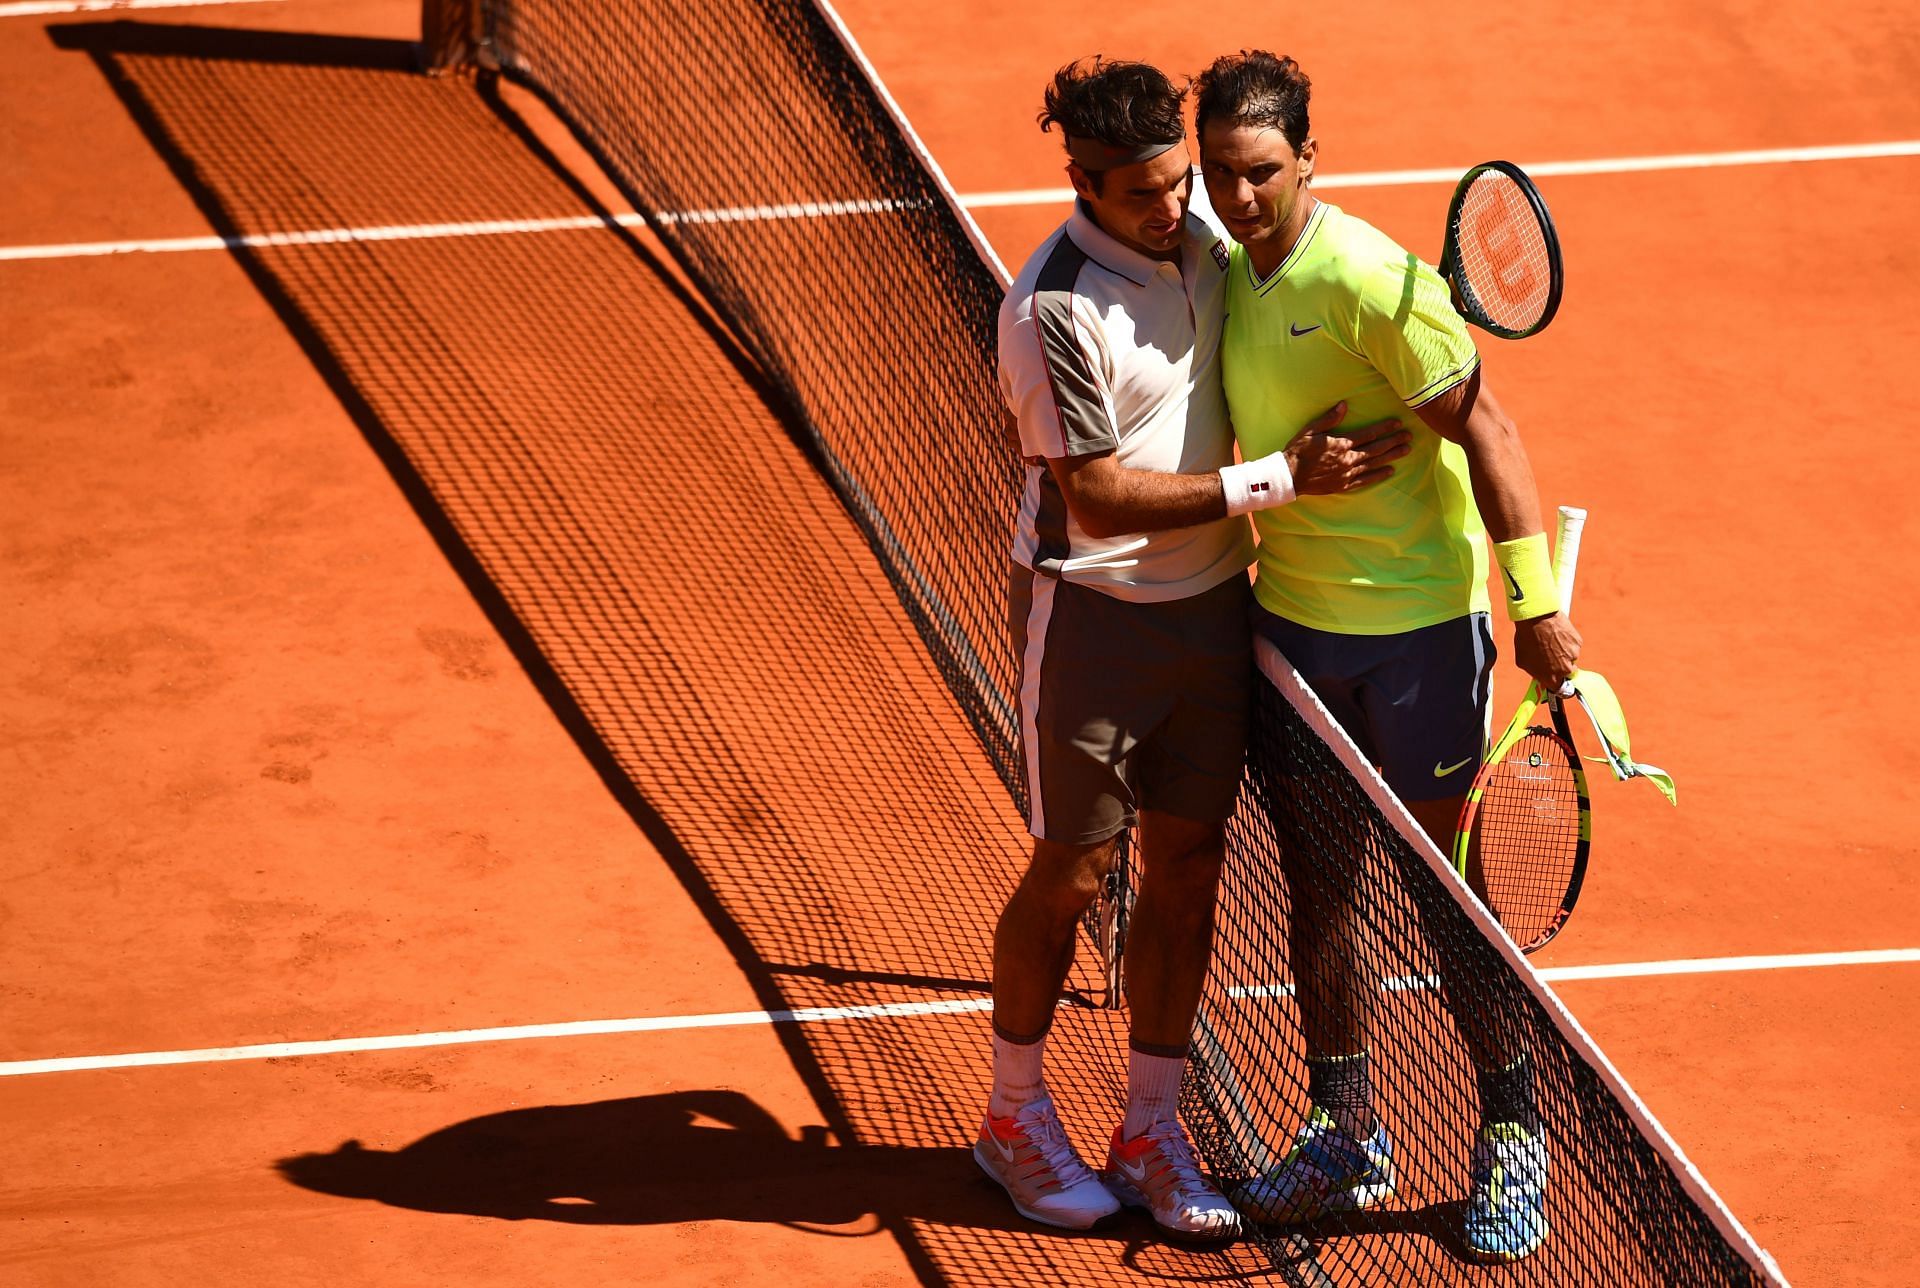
<point>1408,329</point>
<point>1053,379</point>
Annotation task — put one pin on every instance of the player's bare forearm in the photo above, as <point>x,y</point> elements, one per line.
<point>1497,464</point>
<point>1545,647</point>
<point>1496,459</point>
<point>1108,499</point>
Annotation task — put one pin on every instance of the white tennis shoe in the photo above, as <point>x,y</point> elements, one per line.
<point>1031,1157</point>
<point>1156,1170</point>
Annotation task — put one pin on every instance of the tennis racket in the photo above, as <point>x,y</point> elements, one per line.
<point>1527,824</point>
<point>1501,254</point>
<point>1108,917</point>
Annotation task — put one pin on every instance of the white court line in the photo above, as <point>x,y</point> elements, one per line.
<point>425,232</point>
<point>316,237</point>
<point>1716,965</point>
<point>1538,169</point>
<point>31,8</point>
<point>829,1014</point>
<point>973,201</point>
<point>515,1033</point>
<point>1637,970</point>
<point>793,210</point>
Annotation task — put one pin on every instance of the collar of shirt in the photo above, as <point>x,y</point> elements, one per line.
<point>1117,257</point>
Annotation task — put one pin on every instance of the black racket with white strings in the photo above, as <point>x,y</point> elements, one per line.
<point>1501,254</point>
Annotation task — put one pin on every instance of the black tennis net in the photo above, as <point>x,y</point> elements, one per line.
<point>770,161</point>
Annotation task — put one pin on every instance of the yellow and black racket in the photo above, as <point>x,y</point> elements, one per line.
<point>1501,254</point>
<point>1527,825</point>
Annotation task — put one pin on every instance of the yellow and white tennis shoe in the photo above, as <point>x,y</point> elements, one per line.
<point>1031,1157</point>
<point>1156,1170</point>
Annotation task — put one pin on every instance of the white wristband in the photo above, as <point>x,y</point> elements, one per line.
<point>1258,484</point>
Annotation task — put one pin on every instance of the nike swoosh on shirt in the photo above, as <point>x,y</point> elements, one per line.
<point>1438,772</point>
<point>1307,330</point>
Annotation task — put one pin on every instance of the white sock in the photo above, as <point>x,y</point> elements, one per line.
<point>1018,1080</point>
<point>1153,1090</point>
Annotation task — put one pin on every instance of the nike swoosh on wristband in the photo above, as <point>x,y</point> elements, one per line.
<point>1438,772</point>
<point>1513,587</point>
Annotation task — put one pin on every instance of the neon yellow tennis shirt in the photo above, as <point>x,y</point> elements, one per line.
<point>1350,316</point>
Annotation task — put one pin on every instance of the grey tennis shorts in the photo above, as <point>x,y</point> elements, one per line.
<point>1416,703</point>
<point>1127,706</point>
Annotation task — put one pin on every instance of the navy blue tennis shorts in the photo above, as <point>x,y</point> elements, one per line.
<point>1415,703</point>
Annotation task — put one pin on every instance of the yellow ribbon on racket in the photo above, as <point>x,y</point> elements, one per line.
<point>1602,705</point>
<point>1517,726</point>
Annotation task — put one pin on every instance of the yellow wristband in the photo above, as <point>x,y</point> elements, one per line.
<point>1528,574</point>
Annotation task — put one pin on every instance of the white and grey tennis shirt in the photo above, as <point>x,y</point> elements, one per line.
<point>1103,349</point>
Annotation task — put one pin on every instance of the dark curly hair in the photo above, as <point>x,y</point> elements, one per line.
<point>1118,103</point>
<point>1254,87</point>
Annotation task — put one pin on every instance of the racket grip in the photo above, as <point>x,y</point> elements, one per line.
<point>1566,553</point>
<point>1566,559</point>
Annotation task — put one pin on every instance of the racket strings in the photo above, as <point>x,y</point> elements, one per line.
<point>1528,827</point>
<point>1503,256</point>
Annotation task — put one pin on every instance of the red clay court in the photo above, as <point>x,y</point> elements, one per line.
<point>401,855</point>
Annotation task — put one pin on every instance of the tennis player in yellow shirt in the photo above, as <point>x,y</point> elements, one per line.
<point>1379,601</point>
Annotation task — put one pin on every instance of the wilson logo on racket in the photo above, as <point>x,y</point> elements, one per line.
<point>1505,253</point>
<point>1500,253</point>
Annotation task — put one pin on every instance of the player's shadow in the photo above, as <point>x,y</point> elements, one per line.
<point>656,1160</point>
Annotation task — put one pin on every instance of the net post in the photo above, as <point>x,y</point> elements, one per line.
<point>450,32</point>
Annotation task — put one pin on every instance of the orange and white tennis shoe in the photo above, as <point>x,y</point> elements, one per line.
<point>1156,1170</point>
<point>1031,1157</point>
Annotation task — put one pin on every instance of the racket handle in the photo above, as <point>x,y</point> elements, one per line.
<point>1566,553</point>
<point>1566,560</point>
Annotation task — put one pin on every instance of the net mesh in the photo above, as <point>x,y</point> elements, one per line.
<point>781,179</point>
<point>1333,925</point>
<point>812,239</point>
